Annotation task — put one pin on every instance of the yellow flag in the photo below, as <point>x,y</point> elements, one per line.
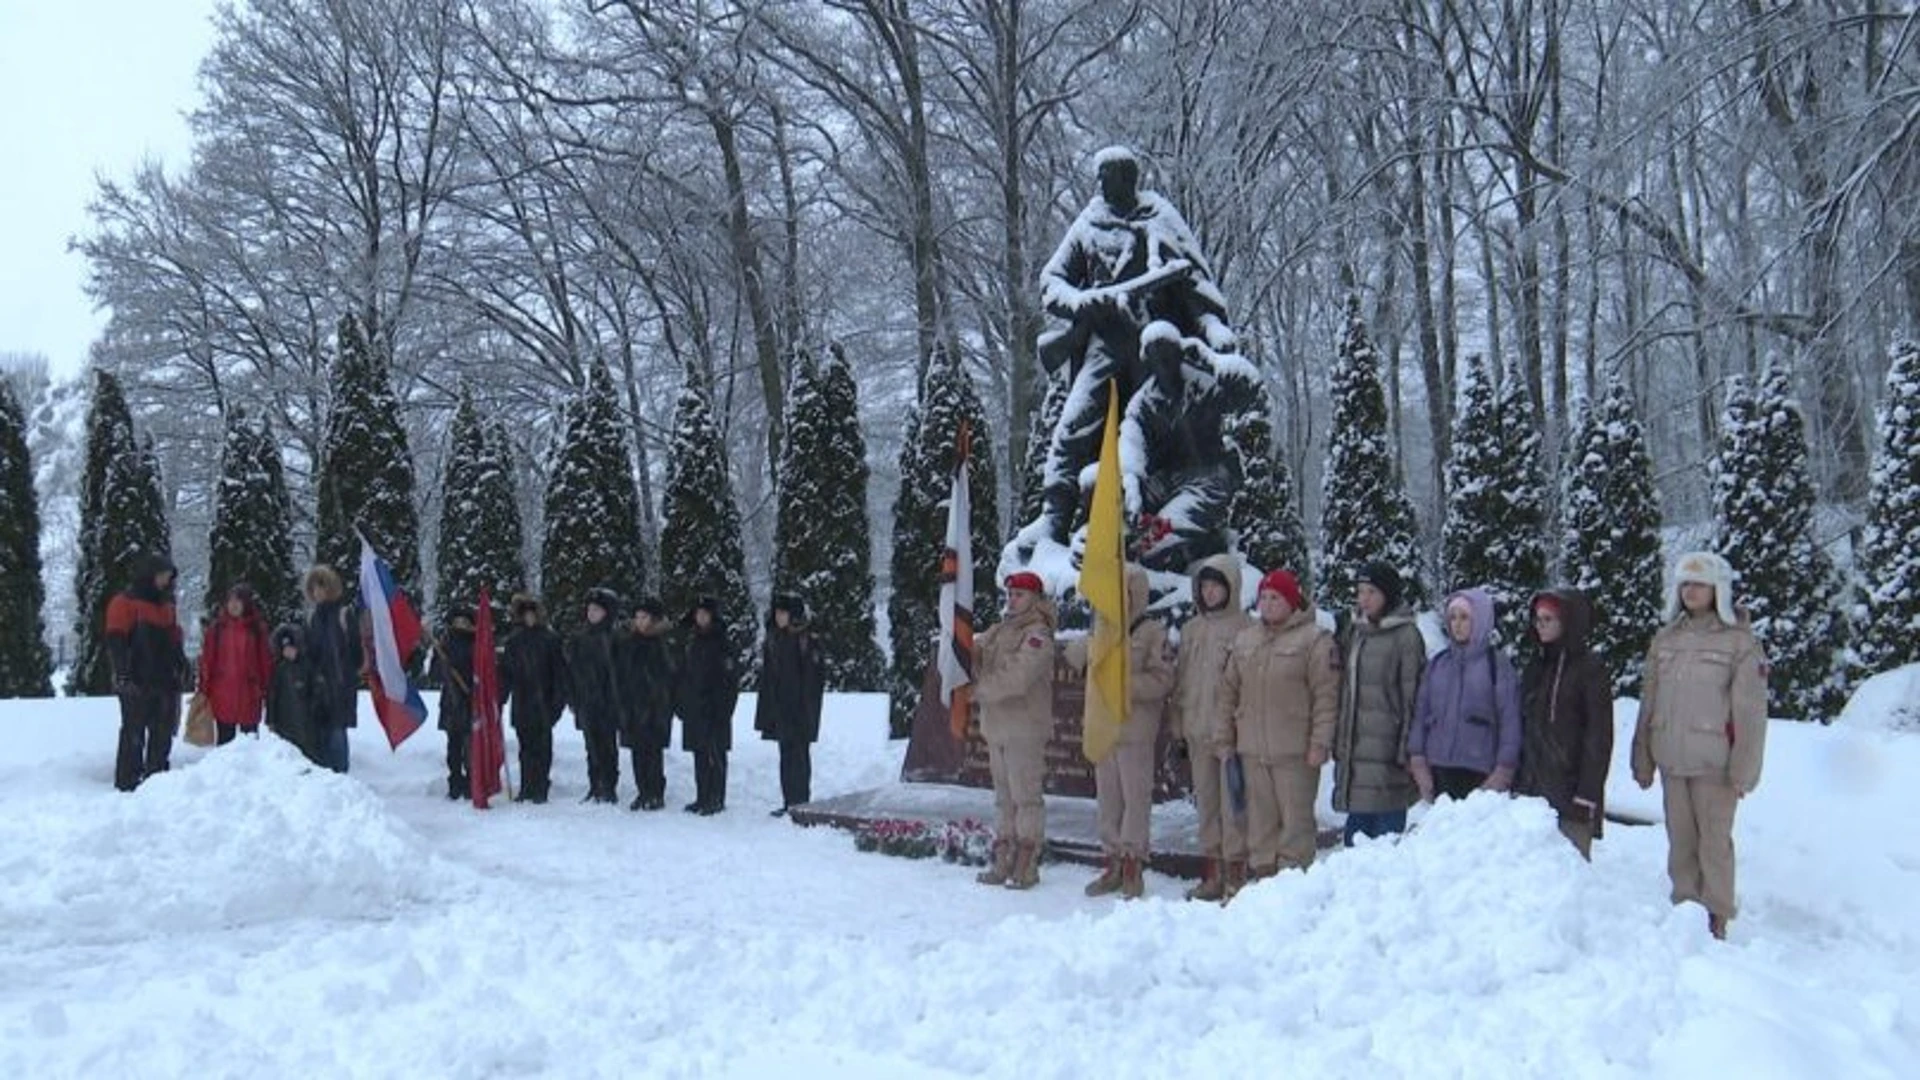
<point>1103,581</point>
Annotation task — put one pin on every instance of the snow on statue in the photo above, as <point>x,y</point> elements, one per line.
<point>1141,309</point>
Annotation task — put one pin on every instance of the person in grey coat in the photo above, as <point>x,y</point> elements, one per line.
<point>1382,659</point>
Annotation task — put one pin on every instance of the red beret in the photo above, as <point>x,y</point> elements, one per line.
<point>1027,581</point>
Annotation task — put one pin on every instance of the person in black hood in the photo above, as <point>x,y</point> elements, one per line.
<point>533,687</point>
<point>644,671</point>
<point>709,687</point>
<point>1566,735</point>
<point>791,689</point>
<point>595,695</point>
<point>453,670</point>
<point>149,665</point>
<point>293,696</point>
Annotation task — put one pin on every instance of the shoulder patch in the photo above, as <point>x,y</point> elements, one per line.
<point>1035,641</point>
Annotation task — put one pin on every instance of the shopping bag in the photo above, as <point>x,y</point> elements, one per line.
<point>199,730</point>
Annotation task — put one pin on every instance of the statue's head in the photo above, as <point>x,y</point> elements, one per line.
<point>1119,171</point>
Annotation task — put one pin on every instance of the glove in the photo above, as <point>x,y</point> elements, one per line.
<point>1644,779</point>
<point>1500,780</point>
<point>1422,777</point>
<point>1316,756</point>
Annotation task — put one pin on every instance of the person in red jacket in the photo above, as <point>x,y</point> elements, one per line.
<point>236,664</point>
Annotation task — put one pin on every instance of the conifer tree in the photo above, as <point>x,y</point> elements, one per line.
<point>1890,554</point>
<point>115,528</point>
<point>1365,513</point>
<point>366,478</point>
<point>479,519</point>
<point>1033,472</point>
<point>1763,500</point>
<point>1494,534</point>
<point>592,508</point>
<point>26,665</point>
<point>927,461</point>
<point>1613,534</point>
<point>1264,517</point>
<point>701,554</point>
<point>822,538</point>
<point>252,536</point>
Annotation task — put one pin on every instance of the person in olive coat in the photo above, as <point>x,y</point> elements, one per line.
<point>644,669</point>
<point>595,695</point>
<point>792,687</point>
<point>533,688</point>
<point>709,686</point>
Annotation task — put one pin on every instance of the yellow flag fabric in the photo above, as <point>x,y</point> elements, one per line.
<point>1103,582</point>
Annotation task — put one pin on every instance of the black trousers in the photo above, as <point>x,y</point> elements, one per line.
<point>457,740</point>
<point>146,735</point>
<point>796,772</point>
<point>536,758</point>
<point>650,771</point>
<point>710,778</point>
<point>1456,783</point>
<point>603,762</point>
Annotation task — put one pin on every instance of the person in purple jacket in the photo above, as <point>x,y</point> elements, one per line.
<point>1466,720</point>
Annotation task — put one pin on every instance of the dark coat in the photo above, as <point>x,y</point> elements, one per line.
<point>332,647</point>
<point>709,688</point>
<point>143,636</point>
<point>293,699</point>
<point>453,671</point>
<point>643,670</point>
<point>791,687</point>
<point>1566,697</point>
<point>1379,684</point>
<point>591,688</point>
<point>533,677</point>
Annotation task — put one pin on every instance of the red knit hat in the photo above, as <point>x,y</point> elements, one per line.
<point>1286,585</point>
<point>1027,581</point>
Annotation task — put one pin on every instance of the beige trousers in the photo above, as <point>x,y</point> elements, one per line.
<point>1281,833</point>
<point>1222,836</point>
<point>1700,840</point>
<point>1123,784</point>
<point>1019,769</point>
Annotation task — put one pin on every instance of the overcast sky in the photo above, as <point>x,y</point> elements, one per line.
<point>86,87</point>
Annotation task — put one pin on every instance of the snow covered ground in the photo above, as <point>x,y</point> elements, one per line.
<point>246,915</point>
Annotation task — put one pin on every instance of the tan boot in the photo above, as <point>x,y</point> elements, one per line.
<point>1109,881</point>
<point>1236,879</point>
<point>1132,885</point>
<point>1001,867</point>
<point>1212,886</point>
<point>1717,926</point>
<point>1026,867</point>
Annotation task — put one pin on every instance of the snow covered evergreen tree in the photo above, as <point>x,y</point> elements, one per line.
<point>1494,534</point>
<point>700,548</point>
<point>1033,472</point>
<point>1264,517</point>
<point>26,666</point>
<point>1763,501</point>
<point>927,460</point>
<point>1364,510</point>
<point>122,517</point>
<point>480,536</point>
<point>1613,534</point>
<point>592,508</point>
<point>366,477</point>
<point>252,536</point>
<point>822,537</point>
<point>1890,554</point>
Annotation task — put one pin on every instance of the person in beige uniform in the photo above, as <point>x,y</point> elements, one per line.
<point>1703,725</point>
<point>1281,694</point>
<point>1204,644</point>
<point>1013,685</point>
<point>1123,782</point>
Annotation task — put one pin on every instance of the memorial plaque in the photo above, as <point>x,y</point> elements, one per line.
<point>934,756</point>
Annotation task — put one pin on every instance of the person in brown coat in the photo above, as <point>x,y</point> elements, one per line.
<point>1205,642</point>
<point>1703,725</point>
<point>1281,694</point>
<point>1123,781</point>
<point>1383,659</point>
<point>1566,735</point>
<point>1013,685</point>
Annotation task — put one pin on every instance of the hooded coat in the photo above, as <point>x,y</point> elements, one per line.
<point>294,695</point>
<point>709,687</point>
<point>644,673</point>
<point>236,662</point>
<point>533,670</point>
<point>1205,643</point>
<point>1467,712</point>
<point>143,632</point>
<point>1566,742</point>
<point>1150,671</point>
<point>792,686</point>
<point>1379,683</point>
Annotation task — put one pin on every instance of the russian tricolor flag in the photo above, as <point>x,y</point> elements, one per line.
<point>396,634</point>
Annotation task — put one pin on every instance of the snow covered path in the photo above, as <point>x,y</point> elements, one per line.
<point>244,914</point>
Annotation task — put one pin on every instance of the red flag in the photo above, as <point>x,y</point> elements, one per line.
<point>488,754</point>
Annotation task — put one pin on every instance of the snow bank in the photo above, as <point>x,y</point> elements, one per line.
<point>250,834</point>
<point>1890,701</point>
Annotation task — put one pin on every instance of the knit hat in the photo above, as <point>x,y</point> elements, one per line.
<point>1286,586</point>
<point>459,611</point>
<point>605,599</point>
<point>1027,581</point>
<point>1703,568</point>
<point>1382,576</point>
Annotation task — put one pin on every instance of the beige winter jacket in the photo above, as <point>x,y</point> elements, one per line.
<point>1205,642</point>
<point>1013,676</point>
<point>1703,710</point>
<point>1281,693</point>
<point>1150,671</point>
